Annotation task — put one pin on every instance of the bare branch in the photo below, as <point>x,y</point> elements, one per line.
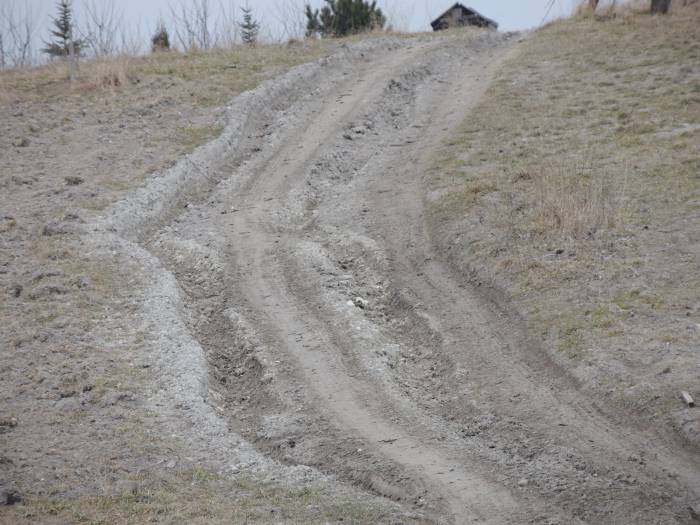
<point>17,28</point>
<point>102,26</point>
<point>226,26</point>
<point>2,50</point>
<point>191,20</point>
<point>131,41</point>
<point>289,15</point>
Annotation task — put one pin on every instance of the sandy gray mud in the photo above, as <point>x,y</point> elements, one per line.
<point>311,320</point>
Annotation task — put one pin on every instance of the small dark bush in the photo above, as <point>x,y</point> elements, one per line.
<point>161,39</point>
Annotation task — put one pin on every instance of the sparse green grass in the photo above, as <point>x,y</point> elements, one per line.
<point>190,137</point>
<point>201,496</point>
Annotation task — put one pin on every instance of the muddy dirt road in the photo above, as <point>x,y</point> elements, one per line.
<point>336,336</point>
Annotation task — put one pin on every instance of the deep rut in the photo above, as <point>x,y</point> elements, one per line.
<point>375,361</point>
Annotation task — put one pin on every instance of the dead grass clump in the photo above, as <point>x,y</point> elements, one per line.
<point>214,75</point>
<point>200,496</point>
<point>598,254</point>
<point>574,202</point>
<point>109,73</point>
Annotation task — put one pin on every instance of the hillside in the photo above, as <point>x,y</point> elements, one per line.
<point>573,190</point>
<point>397,279</point>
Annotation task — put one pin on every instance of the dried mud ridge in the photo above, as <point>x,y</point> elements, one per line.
<point>295,254</point>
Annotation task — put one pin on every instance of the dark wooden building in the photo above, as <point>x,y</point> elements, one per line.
<point>459,16</point>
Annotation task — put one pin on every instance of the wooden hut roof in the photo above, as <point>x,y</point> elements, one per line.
<point>467,11</point>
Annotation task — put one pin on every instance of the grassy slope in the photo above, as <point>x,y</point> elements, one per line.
<point>201,497</point>
<point>575,188</point>
<point>140,89</point>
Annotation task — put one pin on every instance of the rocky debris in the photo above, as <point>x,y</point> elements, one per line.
<point>47,291</point>
<point>72,180</point>
<point>357,131</point>
<point>22,143</point>
<point>72,216</point>
<point>7,424</point>
<point>52,228</point>
<point>42,275</point>
<point>361,303</point>
<point>16,290</point>
<point>523,482</point>
<point>9,495</point>
<point>80,282</point>
<point>7,223</point>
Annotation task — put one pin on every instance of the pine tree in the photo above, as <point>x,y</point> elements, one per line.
<point>660,6</point>
<point>64,31</point>
<point>249,27</point>
<point>161,39</point>
<point>343,17</point>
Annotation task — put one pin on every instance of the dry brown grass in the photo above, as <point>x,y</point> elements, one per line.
<point>632,7</point>
<point>199,496</point>
<point>566,201</point>
<point>220,72</point>
<point>588,143</point>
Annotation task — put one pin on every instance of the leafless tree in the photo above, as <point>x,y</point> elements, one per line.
<point>192,24</point>
<point>131,41</point>
<point>660,6</point>
<point>398,15</point>
<point>102,25</point>
<point>2,48</point>
<point>202,17</point>
<point>289,15</point>
<point>226,29</point>
<point>17,28</point>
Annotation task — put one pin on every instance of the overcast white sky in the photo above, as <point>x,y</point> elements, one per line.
<point>141,16</point>
<point>410,14</point>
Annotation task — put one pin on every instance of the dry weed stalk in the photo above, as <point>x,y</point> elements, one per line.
<point>575,201</point>
<point>109,72</point>
<point>565,201</point>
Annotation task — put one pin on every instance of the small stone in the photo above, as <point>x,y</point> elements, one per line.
<point>523,482</point>
<point>47,291</point>
<point>53,228</point>
<point>7,223</point>
<point>22,143</point>
<point>9,496</point>
<point>7,424</point>
<point>361,303</point>
<point>81,282</point>
<point>72,180</point>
